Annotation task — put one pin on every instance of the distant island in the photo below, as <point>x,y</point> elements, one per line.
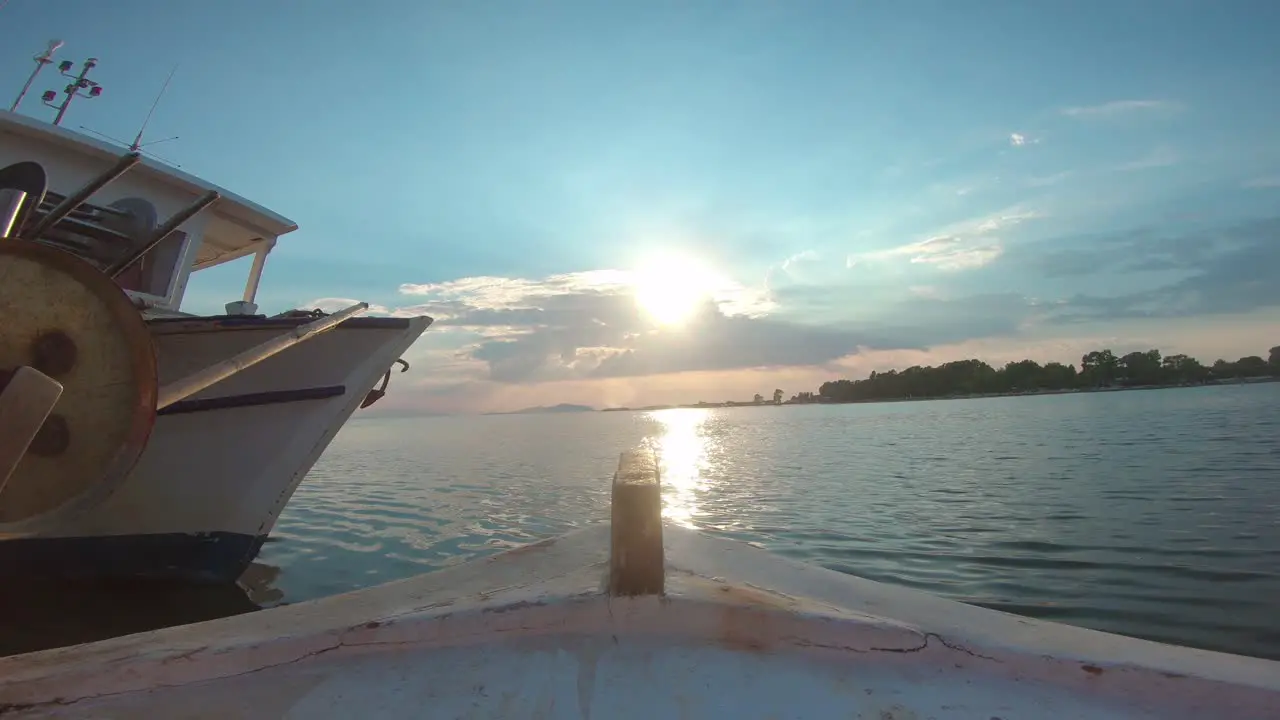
<point>1100,371</point>
<point>561,408</point>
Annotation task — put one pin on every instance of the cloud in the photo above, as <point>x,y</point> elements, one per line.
<point>807,256</point>
<point>1118,108</point>
<point>584,326</point>
<point>1066,343</point>
<point>593,295</point>
<point>1239,278</point>
<point>947,252</point>
<point>1138,274</point>
<point>1157,158</point>
<point>570,325</point>
<point>1135,250</point>
<point>332,305</point>
<point>582,337</point>
<point>929,292</point>
<point>718,342</point>
<point>964,245</point>
<point>1271,181</point>
<point>1228,270</point>
<point>998,221</point>
<point>1020,140</point>
<point>1047,180</point>
<point>505,293</point>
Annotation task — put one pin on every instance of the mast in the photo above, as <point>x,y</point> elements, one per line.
<point>44,58</point>
<point>72,90</point>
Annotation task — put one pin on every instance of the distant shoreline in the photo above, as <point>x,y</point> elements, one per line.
<point>975,396</point>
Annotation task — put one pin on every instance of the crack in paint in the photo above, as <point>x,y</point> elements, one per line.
<point>341,643</point>
<point>344,641</point>
<point>924,645</point>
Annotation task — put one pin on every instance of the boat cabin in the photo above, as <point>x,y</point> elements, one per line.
<point>122,215</point>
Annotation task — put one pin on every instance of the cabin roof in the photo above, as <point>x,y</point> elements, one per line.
<point>232,206</point>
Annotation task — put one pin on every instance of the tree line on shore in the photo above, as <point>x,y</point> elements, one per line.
<point>1098,369</point>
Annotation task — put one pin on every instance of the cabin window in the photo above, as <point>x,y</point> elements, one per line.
<point>154,273</point>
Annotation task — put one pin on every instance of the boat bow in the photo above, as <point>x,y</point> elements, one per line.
<point>543,631</point>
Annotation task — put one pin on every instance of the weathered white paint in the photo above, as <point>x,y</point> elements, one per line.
<point>739,634</point>
<point>232,228</point>
<point>233,470</point>
<point>188,385</point>
<point>228,470</point>
<point>255,272</point>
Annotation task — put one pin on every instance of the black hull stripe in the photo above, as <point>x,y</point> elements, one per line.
<point>214,557</point>
<point>273,397</point>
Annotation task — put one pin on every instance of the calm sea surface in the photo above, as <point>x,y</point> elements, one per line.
<point>1148,513</point>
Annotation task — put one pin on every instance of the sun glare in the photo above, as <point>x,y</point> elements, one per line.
<point>672,291</point>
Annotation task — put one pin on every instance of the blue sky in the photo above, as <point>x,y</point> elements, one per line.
<point>811,189</point>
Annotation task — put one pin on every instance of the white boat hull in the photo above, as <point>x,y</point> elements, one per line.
<point>738,634</point>
<point>221,465</point>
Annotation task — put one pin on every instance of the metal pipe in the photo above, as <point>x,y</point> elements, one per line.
<point>11,200</point>
<point>163,232</point>
<point>201,379</point>
<point>72,201</point>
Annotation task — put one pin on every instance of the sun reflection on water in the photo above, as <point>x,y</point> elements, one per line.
<point>682,457</point>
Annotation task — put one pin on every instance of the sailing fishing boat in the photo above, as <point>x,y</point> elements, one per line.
<point>140,439</point>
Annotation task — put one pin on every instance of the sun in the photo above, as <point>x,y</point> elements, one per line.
<point>672,290</point>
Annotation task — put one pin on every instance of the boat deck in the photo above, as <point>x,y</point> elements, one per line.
<point>541,631</point>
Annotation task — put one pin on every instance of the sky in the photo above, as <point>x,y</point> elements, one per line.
<point>636,203</point>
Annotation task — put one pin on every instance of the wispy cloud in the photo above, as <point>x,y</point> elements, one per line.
<point>567,327</point>
<point>791,262</point>
<point>963,245</point>
<point>504,293</point>
<point>1157,158</point>
<point>488,301</point>
<point>1022,140</point>
<point>601,341</point>
<point>1270,181</point>
<point>951,253</point>
<point>928,292</point>
<point>960,187</point>
<point>1047,180</point>
<point>999,221</point>
<point>945,252</point>
<point>1117,108</point>
<point>333,304</point>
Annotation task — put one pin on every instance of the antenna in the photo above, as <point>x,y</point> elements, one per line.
<point>137,141</point>
<point>135,147</point>
<point>137,144</point>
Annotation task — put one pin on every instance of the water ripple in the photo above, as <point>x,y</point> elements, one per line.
<point>1154,514</point>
